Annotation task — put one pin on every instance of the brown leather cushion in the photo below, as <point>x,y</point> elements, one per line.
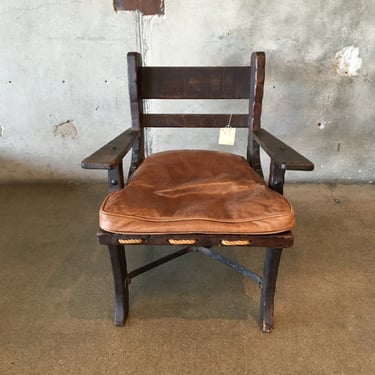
<point>193,191</point>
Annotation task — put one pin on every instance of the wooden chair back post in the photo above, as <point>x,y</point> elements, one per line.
<point>134,60</point>
<point>257,76</point>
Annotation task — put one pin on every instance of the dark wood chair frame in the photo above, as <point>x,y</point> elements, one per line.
<point>197,83</point>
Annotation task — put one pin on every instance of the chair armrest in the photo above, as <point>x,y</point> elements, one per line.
<point>281,153</point>
<point>110,155</point>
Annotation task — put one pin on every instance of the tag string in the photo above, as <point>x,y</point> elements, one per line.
<point>229,122</point>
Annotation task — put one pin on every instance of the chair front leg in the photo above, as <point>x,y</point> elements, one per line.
<point>271,266</point>
<point>120,275</point>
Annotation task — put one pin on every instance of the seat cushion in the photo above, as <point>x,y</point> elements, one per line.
<point>194,191</point>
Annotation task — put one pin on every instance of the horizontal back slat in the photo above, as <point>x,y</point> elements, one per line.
<point>195,82</point>
<point>194,120</point>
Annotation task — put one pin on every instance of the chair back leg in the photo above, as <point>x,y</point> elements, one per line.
<point>270,270</point>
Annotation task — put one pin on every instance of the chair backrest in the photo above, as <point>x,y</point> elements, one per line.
<point>231,82</point>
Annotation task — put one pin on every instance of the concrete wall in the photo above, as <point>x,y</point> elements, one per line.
<point>326,115</point>
<point>60,61</point>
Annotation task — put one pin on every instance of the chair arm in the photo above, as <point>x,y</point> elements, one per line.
<point>110,155</point>
<point>280,153</point>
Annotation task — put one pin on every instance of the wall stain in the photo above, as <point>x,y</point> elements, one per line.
<point>67,129</point>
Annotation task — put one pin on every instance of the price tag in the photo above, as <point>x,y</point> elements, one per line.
<point>227,134</point>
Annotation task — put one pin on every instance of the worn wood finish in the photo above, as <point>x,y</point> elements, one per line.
<point>147,7</point>
<point>120,273</point>
<point>195,82</point>
<point>257,76</point>
<point>136,105</point>
<point>194,121</point>
<point>270,271</point>
<point>253,155</point>
<point>277,177</point>
<point>136,109</point>
<point>281,153</point>
<point>116,178</point>
<point>279,239</point>
<point>111,154</point>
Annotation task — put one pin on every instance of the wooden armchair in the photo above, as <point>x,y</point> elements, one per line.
<point>197,198</point>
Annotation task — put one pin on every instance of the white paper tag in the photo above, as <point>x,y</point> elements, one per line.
<point>227,136</point>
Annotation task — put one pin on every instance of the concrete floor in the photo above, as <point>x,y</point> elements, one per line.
<point>191,316</point>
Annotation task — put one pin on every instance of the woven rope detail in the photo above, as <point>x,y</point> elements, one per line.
<point>182,242</point>
<point>235,243</point>
<point>131,241</point>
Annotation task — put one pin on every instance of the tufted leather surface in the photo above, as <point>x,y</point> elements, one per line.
<point>194,191</point>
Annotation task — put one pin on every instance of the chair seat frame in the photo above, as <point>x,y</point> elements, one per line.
<point>110,157</point>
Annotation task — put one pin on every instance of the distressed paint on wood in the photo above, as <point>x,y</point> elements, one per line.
<point>147,7</point>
